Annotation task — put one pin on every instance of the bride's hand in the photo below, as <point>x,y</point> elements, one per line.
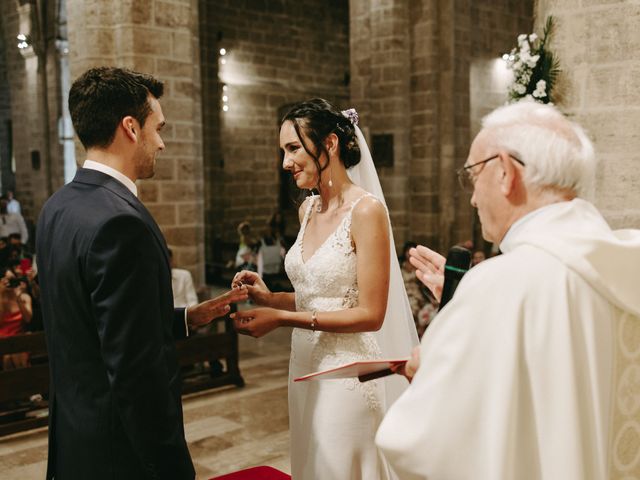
<point>256,288</point>
<point>256,322</point>
<point>430,268</point>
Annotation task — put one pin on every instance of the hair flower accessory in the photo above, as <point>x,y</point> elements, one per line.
<point>352,115</point>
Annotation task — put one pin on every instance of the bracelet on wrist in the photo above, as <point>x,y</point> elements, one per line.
<point>314,321</point>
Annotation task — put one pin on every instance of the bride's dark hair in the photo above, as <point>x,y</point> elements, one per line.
<point>318,118</point>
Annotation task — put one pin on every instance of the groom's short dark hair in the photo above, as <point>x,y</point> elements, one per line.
<point>101,97</point>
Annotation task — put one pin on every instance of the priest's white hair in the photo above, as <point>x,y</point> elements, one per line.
<point>556,152</point>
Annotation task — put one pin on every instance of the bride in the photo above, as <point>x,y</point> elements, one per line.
<point>349,302</point>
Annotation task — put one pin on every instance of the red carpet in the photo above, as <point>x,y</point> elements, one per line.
<point>256,473</point>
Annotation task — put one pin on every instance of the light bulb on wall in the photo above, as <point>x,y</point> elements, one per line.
<point>24,45</point>
<point>23,41</point>
<point>225,96</point>
<point>225,99</point>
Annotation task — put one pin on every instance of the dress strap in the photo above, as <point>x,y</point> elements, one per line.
<point>357,200</point>
<point>346,221</point>
<point>307,213</point>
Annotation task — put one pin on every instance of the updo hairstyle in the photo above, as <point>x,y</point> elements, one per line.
<point>318,118</point>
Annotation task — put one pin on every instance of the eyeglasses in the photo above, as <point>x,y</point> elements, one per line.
<point>467,179</point>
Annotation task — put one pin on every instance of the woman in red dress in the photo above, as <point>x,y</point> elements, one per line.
<point>15,314</point>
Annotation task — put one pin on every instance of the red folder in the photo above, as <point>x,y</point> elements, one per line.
<point>364,370</point>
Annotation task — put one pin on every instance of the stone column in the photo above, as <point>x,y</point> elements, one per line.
<point>33,83</point>
<point>409,63</point>
<point>277,54</point>
<point>6,174</point>
<point>415,64</point>
<point>380,90</point>
<point>159,37</point>
<point>425,143</point>
<point>596,42</point>
<point>452,71</point>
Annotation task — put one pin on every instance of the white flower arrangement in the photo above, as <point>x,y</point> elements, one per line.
<point>535,69</point>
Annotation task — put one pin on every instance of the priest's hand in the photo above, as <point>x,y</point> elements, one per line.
<point>257,322</point>
<point>429,268</point>
<point>205,312</point>
<point>256,288</point>
<point>410,368</point>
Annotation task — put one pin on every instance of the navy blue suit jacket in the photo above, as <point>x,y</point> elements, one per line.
<point>115,409</point>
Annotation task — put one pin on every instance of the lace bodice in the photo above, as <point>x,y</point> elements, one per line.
<point>326,282</point>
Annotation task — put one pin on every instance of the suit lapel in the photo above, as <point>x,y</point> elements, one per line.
<point>94,177</point>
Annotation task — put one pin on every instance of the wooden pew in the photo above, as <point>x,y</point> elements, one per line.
<point>206,347</point>
<point>17,386</point>
<point>20,385</point>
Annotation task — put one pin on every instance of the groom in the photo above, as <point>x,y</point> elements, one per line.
<point>114,408</point>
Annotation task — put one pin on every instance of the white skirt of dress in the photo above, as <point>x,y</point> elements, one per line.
<point>333,423</point>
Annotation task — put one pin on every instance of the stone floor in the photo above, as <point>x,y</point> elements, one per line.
<point>227,429</point>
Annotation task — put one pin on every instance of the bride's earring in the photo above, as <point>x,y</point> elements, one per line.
<point>330,171</point>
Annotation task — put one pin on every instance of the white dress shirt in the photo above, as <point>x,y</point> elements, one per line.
<point>112,172</point>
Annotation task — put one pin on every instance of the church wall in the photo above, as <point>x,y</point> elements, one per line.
<point>278,53</point>
<point>161,38</point>
<point>494,27</point>
<point>380,89</point>
<point>423,71</point>
<point>596,42</point>
<point>6,175</point>
<point>37,154</point>
<point>425,50</point>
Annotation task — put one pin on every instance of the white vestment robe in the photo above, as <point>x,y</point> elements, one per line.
<point>532,371</point>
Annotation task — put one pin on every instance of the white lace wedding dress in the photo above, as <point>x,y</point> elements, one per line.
<point>332,422</point>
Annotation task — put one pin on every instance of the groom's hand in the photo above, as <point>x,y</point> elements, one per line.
<point>205,312</point>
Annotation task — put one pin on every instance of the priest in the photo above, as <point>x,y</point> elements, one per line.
<point>532,370</point>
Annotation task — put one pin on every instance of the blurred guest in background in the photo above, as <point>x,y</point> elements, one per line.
<point>478,256</point>
<point>13,205</point>
<point>271,251</point>
<point>412,285</point>
<point>12,222</point>
<point>15,315</point>
<point>184,293</point>
<point>247,245</point>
